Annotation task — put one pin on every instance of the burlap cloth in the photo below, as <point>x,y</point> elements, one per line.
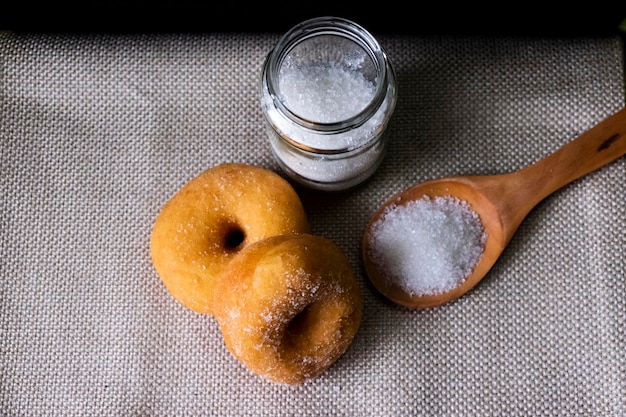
<point>97,132</point>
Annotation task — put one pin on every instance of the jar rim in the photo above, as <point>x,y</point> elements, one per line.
<point>327,25</point>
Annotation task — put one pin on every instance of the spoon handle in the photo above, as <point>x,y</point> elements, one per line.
<point>593,149</point>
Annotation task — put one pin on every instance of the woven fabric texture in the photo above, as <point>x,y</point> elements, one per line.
<point>97,132</point>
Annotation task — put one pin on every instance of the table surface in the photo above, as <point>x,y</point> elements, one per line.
<point>99,131</point>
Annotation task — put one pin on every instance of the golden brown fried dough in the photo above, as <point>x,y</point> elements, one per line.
<point>288,306</point>
<point>211,219</point>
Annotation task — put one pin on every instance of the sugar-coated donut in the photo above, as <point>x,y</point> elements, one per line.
<point>213,217</point>
<point>289,307</point>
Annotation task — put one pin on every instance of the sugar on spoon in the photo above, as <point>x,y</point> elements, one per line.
<point>501,202</point>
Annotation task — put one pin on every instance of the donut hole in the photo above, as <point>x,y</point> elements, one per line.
<point>234,237</point>
<point>311,329</point>
<point>299,324</point>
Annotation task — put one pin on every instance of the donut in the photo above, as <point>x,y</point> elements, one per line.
<point>211,219</point>
<point>289,307</point>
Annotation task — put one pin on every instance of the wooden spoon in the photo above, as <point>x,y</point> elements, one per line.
<point>502,202</point>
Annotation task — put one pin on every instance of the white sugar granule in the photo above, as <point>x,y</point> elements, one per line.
<point>428,246</point>
<point>325,93</point>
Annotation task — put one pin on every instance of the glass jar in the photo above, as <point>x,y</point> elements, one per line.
<point>328,91</point>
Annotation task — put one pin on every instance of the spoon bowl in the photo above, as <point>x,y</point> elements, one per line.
<point>501,202</point>
<point>464,188</point>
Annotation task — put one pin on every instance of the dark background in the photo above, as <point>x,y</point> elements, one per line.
<point>390,17</point>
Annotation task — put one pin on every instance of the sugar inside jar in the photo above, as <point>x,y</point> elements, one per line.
<point>328,91</point>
